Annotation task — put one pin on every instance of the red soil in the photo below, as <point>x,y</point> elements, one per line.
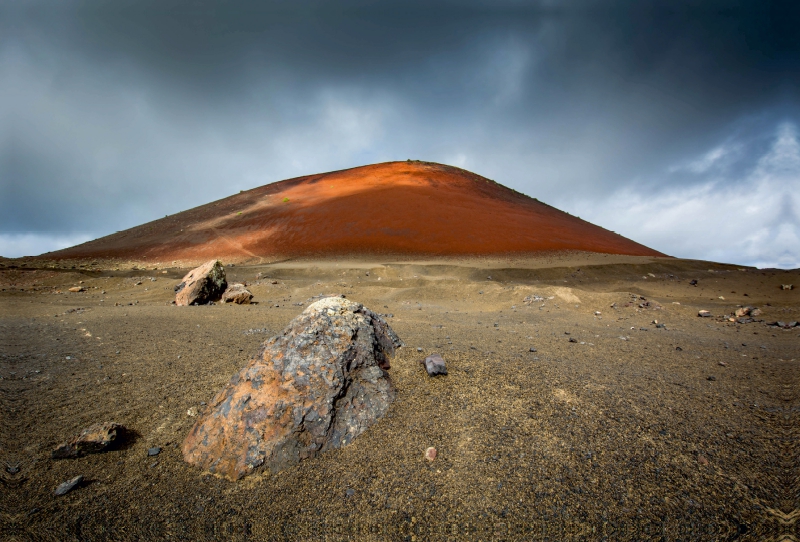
<point>401,208</point>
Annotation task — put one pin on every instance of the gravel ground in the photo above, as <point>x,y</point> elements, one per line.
<point>632,431</point>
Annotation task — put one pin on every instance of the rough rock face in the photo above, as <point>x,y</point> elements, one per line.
<point>96,438</point>
<point>316,386</point>
<point>434,364</point>
<point>237,293</point>
<point>202,284</point>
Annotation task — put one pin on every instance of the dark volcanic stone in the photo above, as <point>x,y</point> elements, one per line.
<point>68,486</point>
<point>315,386</point>
<point>97,438</point>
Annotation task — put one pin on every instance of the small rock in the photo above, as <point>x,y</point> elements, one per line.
<point>274,282</point>
<point>704,314</point>
<point>153,451</point>
<point>68,486</point>
<point>192,412</point>
<point>722,364</point>
<point>237,293</point>
<point>678,348</point>
<point>787,287</point>
<point>531,349</point>
<point>419,349</point>
<point>434,364</point>
<point>77,289</point>
<point>702,460</point>
<point>693,282</point>
<point>94,439</point>
<point>597,313</point>
<point>430,453</point>
<point>350,492</point>
<point>572,340</point>
<point>743,311</point>
<point>711,378</point>
<point>755,312</point>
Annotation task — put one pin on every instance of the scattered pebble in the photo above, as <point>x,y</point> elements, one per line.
<point>350,492</point>
<point>430,453</point>
<point>531,349</point>
<point>573,340</point>
<point>68,486</point>
<point>702,460</point>
<point>704,314</point>
<point>711,378</point>
<point>153,451</point>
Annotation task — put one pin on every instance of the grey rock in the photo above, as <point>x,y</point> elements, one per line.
<point>316,386</point>
<point>434,364</point>
<point>68,486</point>
<point>153,451</point>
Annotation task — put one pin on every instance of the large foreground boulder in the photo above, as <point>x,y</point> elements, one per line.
<point>316,386</point>
<point>202,284</point>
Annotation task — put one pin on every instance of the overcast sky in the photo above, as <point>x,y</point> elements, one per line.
<point>676,124</point>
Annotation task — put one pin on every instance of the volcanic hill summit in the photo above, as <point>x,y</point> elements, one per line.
<point>401,208</point>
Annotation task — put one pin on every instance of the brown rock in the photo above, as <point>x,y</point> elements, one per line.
<point>202,284</point>
<point>430,453</point>
<point>743,311</point>
<point>97,438</point>
<point>704,314</point>
<point>77,289</point>
<point>315,386</point>
<point>237,293</point>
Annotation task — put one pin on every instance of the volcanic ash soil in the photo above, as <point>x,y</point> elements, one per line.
<point>629,431</point>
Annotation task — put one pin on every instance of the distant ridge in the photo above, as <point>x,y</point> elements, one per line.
<point>395,208</point>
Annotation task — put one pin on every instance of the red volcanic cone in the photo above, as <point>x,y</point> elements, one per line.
<point>401,208</point>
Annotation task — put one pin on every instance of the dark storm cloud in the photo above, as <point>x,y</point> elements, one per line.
<point>115,113</point>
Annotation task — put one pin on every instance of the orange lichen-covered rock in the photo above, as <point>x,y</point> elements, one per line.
<point>316,386</point>
<point>202,284</point>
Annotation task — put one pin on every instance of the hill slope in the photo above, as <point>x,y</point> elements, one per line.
<point>402,208</point>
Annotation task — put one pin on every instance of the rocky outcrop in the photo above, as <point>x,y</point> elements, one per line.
<point>202,284</point>
<point>316,386</point>
<point>99,437</point>
<point>237,293</point>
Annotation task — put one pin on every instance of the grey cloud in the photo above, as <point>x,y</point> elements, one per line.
<point>114,114</point>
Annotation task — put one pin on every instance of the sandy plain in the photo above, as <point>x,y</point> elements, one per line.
<point>688,432</point>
